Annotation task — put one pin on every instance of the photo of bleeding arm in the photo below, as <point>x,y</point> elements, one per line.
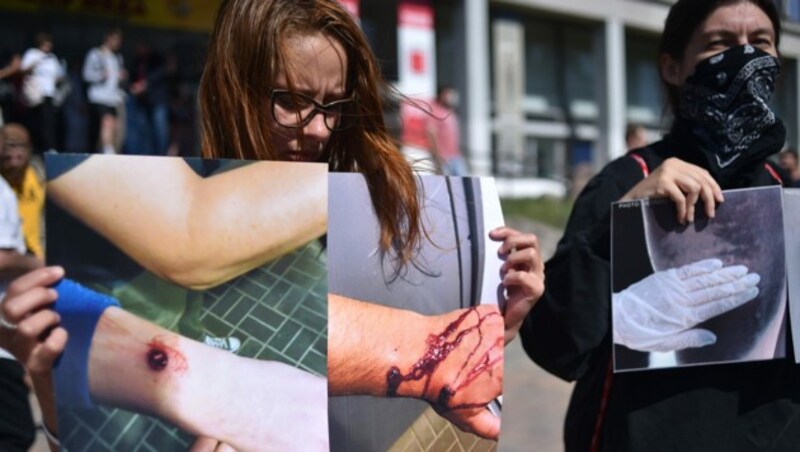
<point>453,361</point>
<point>114,358</point>
<point>258,332</point>
<point>438,326</point>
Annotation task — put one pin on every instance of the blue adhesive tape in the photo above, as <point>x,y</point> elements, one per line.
<point>80,309</point>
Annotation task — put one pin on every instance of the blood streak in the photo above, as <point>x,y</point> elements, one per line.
<point>439,347</point>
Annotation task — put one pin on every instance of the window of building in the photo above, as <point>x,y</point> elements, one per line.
<point>560,68</point>
<point>379,22</point>
<point>643,84</point>
<point>790,9</point>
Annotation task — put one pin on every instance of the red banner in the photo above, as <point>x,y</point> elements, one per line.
<point>415,15</point>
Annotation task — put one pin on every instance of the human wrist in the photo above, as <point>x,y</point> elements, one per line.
<point>198,373</point>
<point>80,310</point>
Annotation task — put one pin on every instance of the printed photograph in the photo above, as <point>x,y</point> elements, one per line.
<point>418,337</point>
<point>791,216</point>
<point>711,291</point>
<point>195,303</point>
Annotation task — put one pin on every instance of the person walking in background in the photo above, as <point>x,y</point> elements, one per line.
<point>9,66</point>
<point>27,184</point>
<point>104,71</point>
<point>635,137</point>
<point>148,105</point>
<point>788,161</point>
<point>444,132</point>
<point>16,421</point>
<point>43,90</point>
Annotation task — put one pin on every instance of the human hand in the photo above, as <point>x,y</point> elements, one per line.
<point>138,88</point>
<point>684,184</point>
<point>522,273</point>
<point>460,370</point>
<point>37,340</point>
<point>659,313</point>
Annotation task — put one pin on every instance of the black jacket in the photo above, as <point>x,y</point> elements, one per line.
<point>733,407</point>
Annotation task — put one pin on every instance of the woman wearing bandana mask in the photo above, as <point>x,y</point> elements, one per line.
<point>718,61</point>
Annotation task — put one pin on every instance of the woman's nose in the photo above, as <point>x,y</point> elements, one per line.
<point>316,128</point>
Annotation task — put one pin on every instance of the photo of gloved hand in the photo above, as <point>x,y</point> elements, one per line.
<point>660,312</point>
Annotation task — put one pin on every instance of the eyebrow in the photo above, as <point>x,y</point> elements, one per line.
<point>328,98</point>
<point>727,32</point>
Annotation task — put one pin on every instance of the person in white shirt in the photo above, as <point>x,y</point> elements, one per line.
<point>43,88</point>
<point>104,71</point>
<point>16,422</point>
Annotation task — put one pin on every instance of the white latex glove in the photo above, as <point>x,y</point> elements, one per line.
<point>658,313</point>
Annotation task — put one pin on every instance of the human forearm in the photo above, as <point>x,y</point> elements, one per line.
<point>193,231</point>
<point>365,341</point>
<point>141,367</point>
<point>43,386</point>
<point>11,69</point>
<point>383,351</point>
<point>13,264</point>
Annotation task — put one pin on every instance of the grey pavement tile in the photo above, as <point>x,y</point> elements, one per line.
<point>301,344</point>
<point>285,334</point>
<point>256,329</point>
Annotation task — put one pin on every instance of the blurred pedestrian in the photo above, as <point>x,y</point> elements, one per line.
<point>26,182</point>
<point>416,143</point>
<point>9,66</point>
<point>148,105</point>
<point>635,137</point>
<point>444,132</point>
<point>788,161</point>
<point>104,71</point>
<point>43,90</point>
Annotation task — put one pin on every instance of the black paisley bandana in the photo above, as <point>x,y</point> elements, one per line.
<point>725,105</point>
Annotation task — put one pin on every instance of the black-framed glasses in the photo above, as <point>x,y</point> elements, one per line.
<point>295,110</point>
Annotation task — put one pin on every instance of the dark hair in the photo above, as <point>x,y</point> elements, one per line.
<point>43,37</point>
<point>111,32</point>
<point>248,46</point>
<point>632,130</point>
<point>683,20</point>
<point>442,88</point>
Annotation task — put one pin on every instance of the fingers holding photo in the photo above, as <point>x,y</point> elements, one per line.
<point>29,328</point>
<point>522,273</point>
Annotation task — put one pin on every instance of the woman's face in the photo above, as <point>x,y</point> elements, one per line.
<point>318,66</point>
<point>728,26</point>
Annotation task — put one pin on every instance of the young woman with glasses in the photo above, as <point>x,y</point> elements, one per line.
<point>295,81</point>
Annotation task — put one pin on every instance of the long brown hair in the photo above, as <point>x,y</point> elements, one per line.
<point>248,47</point>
